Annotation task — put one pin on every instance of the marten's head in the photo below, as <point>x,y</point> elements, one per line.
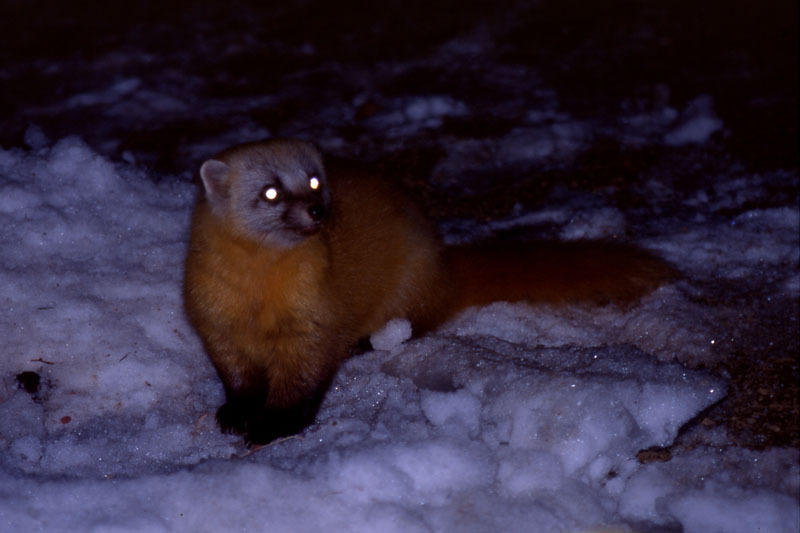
<point>273,191</point>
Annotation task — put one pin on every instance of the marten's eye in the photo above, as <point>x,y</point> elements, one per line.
<point>313,182</point>
<point>270,194</point>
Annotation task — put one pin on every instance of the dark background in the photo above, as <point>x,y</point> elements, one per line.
<point>595,54</point>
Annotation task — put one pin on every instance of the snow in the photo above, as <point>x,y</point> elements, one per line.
<point>696,123</point>
<point>507,418</point>
<point>535,413</point>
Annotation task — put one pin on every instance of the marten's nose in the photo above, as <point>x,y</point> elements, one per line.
<point>316,212</point>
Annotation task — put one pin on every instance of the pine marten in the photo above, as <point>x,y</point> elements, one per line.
<point>288,268</point>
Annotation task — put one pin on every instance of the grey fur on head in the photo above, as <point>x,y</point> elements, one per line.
<point>273,191</point>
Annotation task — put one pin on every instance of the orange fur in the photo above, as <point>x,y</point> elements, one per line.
<point>583,272</point>
<point>278,320</point>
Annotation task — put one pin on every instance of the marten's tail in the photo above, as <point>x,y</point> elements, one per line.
<point>590,272</point>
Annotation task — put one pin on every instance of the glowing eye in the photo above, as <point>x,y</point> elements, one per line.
<point>313,183</point>
<point>271,193</point>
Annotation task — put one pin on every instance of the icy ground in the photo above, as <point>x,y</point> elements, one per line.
<point>509,418</point>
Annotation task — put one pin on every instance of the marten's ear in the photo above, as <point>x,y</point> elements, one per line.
<point>216,180</point>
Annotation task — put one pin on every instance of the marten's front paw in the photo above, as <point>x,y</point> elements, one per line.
<point>232,418</point>
<point>261,426</point>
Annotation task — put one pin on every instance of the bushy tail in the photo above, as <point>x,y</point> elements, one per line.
<point>590,272</point>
